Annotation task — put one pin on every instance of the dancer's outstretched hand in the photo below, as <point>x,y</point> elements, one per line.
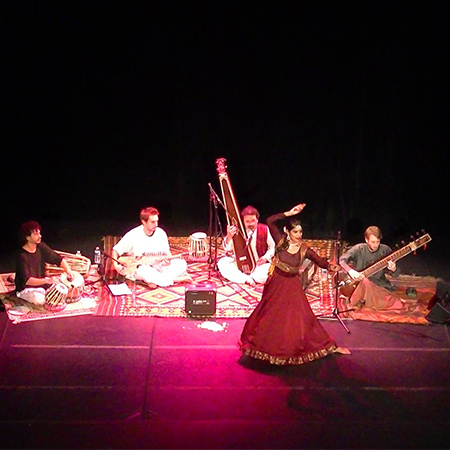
<point>295,210</point>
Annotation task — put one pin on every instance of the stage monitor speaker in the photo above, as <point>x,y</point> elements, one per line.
<point>438,314</point>
<point>200,299</point>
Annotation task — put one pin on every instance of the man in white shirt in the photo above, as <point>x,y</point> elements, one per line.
<point>151,258</point>
<point>261,244</point>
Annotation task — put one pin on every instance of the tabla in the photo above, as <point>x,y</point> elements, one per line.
<point>75,287</point>
<point>198,246</point>
<point>55,297</point>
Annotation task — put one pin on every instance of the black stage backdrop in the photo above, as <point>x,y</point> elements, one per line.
<point>111,106</point>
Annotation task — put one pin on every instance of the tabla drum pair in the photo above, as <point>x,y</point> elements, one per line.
<point>75,287</point>
<point>198,247</point>
<point>66,291</point>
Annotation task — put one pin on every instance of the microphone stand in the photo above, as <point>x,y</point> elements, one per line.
<point>214,224</point>
<point>133,279</point>
<point>335,312</point>
<point>248,239</point>
<point>107,255</point>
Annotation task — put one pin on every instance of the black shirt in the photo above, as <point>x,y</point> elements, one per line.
<point>33,264</point>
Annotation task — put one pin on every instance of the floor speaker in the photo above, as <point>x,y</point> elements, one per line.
<point>438,314</point>
<point>200,299</point>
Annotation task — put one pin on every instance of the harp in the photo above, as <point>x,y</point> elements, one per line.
<point>245,259</point>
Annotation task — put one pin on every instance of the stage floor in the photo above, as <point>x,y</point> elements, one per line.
<point>178,382</point>
<point>148,382</point>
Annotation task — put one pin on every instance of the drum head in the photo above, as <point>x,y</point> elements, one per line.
<point>77,281</point>
<point>198,235</point>
<point>75,287</point>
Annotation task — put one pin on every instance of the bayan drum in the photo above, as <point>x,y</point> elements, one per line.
<point>198,248</point>
<point>55,297</point>
<point>75,287</point>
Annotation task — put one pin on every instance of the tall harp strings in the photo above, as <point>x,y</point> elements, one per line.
<point>245,259</point>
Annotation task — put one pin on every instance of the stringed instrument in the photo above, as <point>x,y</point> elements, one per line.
<point>131,263</point>
<point>347,285</point>
<point>245,259</point>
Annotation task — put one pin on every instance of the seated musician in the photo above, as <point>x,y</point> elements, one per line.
<point>260,243</point>
<point>376,292</point>
<point>149,246</point>
<point>31,282</point>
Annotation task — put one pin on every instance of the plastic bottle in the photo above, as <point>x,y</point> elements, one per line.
<point>97,256</point>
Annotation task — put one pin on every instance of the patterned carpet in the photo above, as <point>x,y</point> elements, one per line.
<point>232,300</point>
<point>21,311</point>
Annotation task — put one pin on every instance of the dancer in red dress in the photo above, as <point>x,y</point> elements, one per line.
<point>283,328</point>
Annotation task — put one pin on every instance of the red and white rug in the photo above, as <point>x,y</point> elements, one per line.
<point>232,300</point>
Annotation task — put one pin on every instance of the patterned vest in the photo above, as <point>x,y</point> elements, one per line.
<point>261,239</point>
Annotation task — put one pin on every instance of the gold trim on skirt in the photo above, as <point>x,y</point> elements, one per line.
<point>313,356</point>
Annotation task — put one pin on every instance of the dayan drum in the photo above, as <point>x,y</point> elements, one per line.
<point>198,247</point>
<point>55,297</point>
<point>75,287</point>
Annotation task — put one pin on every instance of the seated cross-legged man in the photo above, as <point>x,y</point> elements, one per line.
<point>31,279</point>
<point>260,243</point>
<point>375,293</point>
<point>152,261</point>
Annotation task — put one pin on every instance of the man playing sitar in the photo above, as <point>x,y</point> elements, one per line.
<point>366,265</point>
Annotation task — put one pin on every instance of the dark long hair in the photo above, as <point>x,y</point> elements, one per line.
<point>290,225</point>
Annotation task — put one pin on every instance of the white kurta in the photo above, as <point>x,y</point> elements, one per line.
<point>138,244</point>
<point>229,269</point>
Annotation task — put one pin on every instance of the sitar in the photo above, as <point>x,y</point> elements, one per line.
<point>245,259</point>
<point>157,260</point>
<point>348,284</point>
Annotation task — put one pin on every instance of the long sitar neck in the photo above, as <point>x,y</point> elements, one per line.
<point>395,256</point>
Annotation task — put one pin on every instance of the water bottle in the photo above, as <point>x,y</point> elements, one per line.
<point>97,256</point>
<point>78,253</point>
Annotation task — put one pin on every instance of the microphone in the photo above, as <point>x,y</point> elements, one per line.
<point>109,256</point>
<point>249,236</point>
<point>214,196</point>
<point>338,243</point>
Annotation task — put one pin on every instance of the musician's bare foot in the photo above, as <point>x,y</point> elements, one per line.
<point>342,351</point>
<point>183,279</point>
<point>152,285</point>
<point>250,281</point>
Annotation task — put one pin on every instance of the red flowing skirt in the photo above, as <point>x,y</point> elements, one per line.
<point>283,329</point>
